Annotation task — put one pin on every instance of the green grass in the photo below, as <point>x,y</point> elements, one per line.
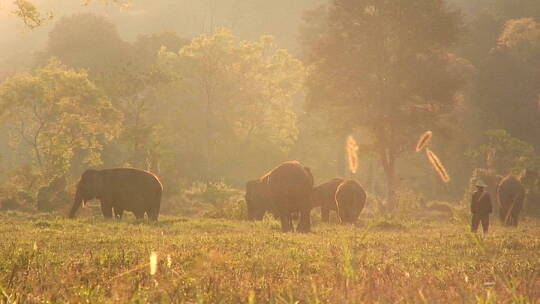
<point>91,260</point>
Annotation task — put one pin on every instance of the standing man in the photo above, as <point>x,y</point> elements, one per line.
<point>480,207</point>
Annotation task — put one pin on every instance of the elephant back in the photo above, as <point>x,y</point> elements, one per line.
<point>325,193</point>
<point>291,183</point>
<point>289,176</point>
<point>351,199</point>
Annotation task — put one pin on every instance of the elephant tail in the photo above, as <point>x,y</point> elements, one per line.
<point>156,202</point>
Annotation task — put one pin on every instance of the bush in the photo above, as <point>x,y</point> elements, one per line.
<point>215,200</point>
<point>53,196</point>
<point>409,201</point>
<point>9,204</point>
<point>20,188</point>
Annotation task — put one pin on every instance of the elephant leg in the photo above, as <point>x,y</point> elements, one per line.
<point>325,214</point>
<point>286,221</point>
<point>485,223</point>
<point>118,213</point>
<point>292,218</point>
<point>106,209</point>
<point>152,215</point>
<point>304,225</point>
<point>139,215</point>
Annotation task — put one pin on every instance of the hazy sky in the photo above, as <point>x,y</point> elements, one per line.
<point>248,19</point>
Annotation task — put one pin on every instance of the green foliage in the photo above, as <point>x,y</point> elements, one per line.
<point>54,195</point>
<point>506,90</point>
<point>29,14</point>
<point>88,41</point>
<point>214,200</point>
<point>504,153</point>
<point>20,187</point>
<point>57,112</point>
<point>233,94</point>
<point>382,66</point>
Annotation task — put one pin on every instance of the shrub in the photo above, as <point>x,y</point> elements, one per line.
<point>20,187</point>
<point>53,196</point>
<point>214,199</point>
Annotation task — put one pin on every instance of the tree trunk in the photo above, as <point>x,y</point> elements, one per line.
<point>388,162</point>
<point>387,154</point>
<point>208,134</point>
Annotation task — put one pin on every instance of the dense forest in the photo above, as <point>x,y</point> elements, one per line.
<point>209,94</point>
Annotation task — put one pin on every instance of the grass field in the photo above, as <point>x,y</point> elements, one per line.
<point>46,259</point>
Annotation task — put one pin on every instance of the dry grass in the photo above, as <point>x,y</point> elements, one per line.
<point>91,260</point>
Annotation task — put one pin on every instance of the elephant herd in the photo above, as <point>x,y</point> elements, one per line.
<point>285,192</point>
<point>288,190</point>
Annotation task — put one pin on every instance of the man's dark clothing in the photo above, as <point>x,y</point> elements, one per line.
<point>480,209</point>
<point>477,219</point>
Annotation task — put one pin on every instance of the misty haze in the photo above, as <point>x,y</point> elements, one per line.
<point>287,151</point>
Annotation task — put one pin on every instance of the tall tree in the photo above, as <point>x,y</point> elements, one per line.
<point>384,66</point>
<point>88,41</point>
<point>234,97</point>
<point>507,91</point>
<point>136,91</point>
<point>56,112</point>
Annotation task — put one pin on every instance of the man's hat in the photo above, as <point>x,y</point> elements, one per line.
<point>480,183</point>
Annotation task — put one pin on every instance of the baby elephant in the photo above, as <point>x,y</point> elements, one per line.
<point>350,200</point>
<point>324,196</point>
<point>120,189</point>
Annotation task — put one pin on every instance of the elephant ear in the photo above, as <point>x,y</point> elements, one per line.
<point>92,182</point>
<point>309,174</point>
<point>249,186</point>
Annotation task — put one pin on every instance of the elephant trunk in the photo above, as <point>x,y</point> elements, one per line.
<point>76,203</point>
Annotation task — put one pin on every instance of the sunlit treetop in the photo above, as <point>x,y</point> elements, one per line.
<point>29,14</point>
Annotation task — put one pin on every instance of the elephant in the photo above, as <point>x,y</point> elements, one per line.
<point>350,200</point>
<point>510,194</point>
<point>258,199</point>
<point>324,196</point>
<point>283,191</point>
<point>121,189</point>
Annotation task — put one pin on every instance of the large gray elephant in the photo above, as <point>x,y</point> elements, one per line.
<point>283,191</point>
<point>324,196</point>
<point>510,194</point>
<point>121,189</point>
<point>350,199</point>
